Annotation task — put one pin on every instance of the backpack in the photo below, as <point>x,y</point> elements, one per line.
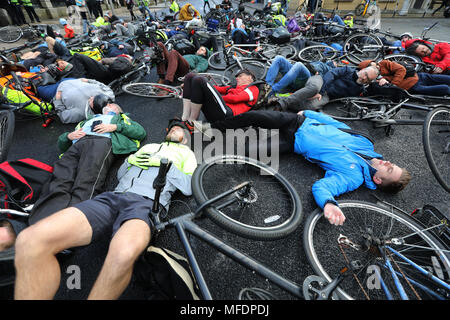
<point>165,275</point>
<point>21,182</point>
<point>184,47</point>
<point>410,69</point>
<point>280,35</point>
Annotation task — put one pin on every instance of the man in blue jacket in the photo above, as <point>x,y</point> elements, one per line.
<point>347,156</point>
<point>336,83</point>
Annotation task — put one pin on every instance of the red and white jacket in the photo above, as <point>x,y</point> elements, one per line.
<point>240,99</point>
<point>440,55</point>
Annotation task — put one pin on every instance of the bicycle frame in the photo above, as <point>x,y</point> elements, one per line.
<point>395,275</point>
<point>184,224</point>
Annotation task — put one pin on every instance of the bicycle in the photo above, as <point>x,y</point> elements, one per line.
<point>160,91</point>
<point>380,252</point>
<point>436,144</point>
<point>379,110</point>
<point>363,8</point>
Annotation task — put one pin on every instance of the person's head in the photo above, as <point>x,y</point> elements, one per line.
<point>389,177</point>
<point>61,64</point>
<point>191,10</point>
<point>176,131</point>
<point>406,36</point>
<point>367,75</point>
<point>112,107</point>
<point>98,102</point>
<point>202,51</point>
<point>245,77</point>
<point>419,49</point>
<point>374,64</point>
<point>63,21</point>
<point>7,235</point>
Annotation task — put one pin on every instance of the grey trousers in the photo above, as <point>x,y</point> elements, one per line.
<point>299,100</point>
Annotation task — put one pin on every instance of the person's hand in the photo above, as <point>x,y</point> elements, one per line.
<point>318,96</point>
<point>144,160</point>
<point>104,128</point>
<point>334,214</point>
<point>300,113</point>
<point>437,70</point>
<point>382,81</point>
<point>58,95</point>
<point>121,46</point>
<point>77,134</point>
<point>84,79</point>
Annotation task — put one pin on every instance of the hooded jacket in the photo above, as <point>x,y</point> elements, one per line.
<point>340,154</point>
<point>440,53</point>
<point>196,62</point>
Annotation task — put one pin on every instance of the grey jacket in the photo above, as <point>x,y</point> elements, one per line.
<point>73,105</point>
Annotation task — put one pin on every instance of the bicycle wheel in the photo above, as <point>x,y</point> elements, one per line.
<point>218,61</point>
<point>7,123</point>
<point>413,60</point>
<point>271,51</point>
<point>152,90</point>
<point>436,143</point>
<point>258,68</point>
<point>362,244</point>
<point>359,10</point>
<point>213,78</point>
<point>351,109</point>
<point>268,209</point>
<point>131,77</point>
<point>10,34</point>
<point>317,53</point>
<point>361,46</point>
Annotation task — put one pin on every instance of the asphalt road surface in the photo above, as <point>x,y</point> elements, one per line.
<point>224,276</point>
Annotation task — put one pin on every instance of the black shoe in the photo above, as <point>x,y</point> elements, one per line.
<point>273,100</point>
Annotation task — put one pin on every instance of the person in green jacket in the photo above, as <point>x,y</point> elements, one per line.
<point>88,153</point>
<point>176,65</point>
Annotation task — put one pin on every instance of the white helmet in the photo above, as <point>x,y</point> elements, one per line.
<point>409,34</point>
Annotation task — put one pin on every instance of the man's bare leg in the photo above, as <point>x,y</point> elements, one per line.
<point>127,244</point>
<point>37,269</point>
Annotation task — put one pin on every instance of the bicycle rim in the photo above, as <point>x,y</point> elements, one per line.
<point>258,68</point>
<point>406,59</point>
<point>360,47</point>
<point>269,209</point>
<point>10,34</point>
<point>317,53</point>
<point>271,51</point>
<point>352,109</point>
<point>152,90</point>
<point>366,224</point>
<point>217,61</point>
<point>436,142</point>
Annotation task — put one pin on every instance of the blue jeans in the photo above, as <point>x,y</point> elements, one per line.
<point>432,84</point>
<point>294,76</point>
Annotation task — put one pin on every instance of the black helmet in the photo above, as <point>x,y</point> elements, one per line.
<point>100,101</point>
<point>176,122</point>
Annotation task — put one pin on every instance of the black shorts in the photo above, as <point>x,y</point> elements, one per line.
<point>109,210</point>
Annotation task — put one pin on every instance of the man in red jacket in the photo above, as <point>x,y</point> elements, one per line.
<point>437,55</point>
<point>217,102</point>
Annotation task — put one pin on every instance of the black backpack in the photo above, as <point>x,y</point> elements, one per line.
<point>184,46</point>
<point>165,275</point>
<point>410,68</point>
<point>21,182</point>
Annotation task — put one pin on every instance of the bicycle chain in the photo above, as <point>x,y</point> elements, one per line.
<point>354,275</point>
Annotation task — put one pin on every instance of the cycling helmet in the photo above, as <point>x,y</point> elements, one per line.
<point>63,21</point>
<point>176,122</point>
<point>246,71</point>
<point>99,102</point>
<point>409,34</point>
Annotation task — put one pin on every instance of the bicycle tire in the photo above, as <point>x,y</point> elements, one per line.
<point>7,124</point>
<point>365,224</point>
<point>398,57</point>
<point>317,53</point>
<point>152,90</point>
<point>359,9</point>
<point>258,68</point>
<point>214,78</point>
<point>360,46</point>
<point>10,34</point>
<point>350,112</point>
<point>436,143</point>
<point>270,210</point>
<point>270,51</point>
<point>131,77</point>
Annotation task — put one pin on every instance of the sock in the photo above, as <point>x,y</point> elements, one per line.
<point>186,109</point>
<point>195,111</point>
